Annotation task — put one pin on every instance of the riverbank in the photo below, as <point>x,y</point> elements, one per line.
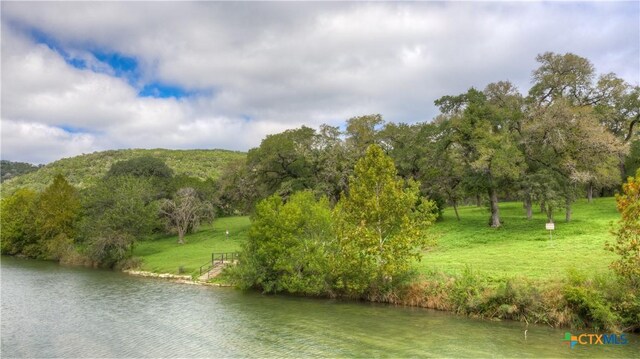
<point>163,254</point>
<point>516,272</point>
<point>55,311</point>
<point>184,279</point>
<point>578,301</point>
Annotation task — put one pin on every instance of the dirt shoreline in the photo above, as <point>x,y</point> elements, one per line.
<point>176,278</point>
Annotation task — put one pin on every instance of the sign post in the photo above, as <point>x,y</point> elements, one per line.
<point>550,227</point>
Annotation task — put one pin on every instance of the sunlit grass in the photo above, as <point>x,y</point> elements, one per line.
<point>522,247</point>
<point>165,255</point>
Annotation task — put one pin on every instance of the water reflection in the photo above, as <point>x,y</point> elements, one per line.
<point>54,311</point>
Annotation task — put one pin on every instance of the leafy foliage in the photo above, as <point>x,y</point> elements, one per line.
<point>287,246</point>
<point>56,215</point>
<point>627,244</point>
<point>117,212</point>
<point>145,166</point>
<point>10,169</point>
<point>380,226</point>
<point>363,247</point>
<point>18,227</point>
<point>479,129</point>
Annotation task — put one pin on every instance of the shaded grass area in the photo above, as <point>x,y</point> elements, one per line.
<point>522,247</point>
<point>165,255</point>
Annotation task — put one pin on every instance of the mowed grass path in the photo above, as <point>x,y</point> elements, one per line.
<point>522,247</point>
<point>165,255</point>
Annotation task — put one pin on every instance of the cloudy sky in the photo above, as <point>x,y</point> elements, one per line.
<point>80,77</point>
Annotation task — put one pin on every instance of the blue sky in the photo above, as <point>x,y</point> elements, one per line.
<point>80,77</point>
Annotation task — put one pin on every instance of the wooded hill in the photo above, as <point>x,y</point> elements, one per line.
<point>9,170</point>
<point>85,170</point>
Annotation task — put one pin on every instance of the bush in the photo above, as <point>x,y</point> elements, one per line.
<point>627,244</point>
<point>287,247</point>
<point>588,301</point>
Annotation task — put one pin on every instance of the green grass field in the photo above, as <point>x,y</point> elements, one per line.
<point>522,247</point>
<point>165,255</point>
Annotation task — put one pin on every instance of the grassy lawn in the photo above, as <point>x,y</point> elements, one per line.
<point>521,247</point>
<point>165,255</point>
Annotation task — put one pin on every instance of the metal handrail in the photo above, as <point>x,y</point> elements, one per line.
<point>217,259</point>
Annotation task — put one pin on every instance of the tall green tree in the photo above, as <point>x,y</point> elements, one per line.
<point>483,130</point>
<point>563,76</point>
<point>283,162</point>
<point>17,235</point>
<point>569,141</point>
<point>56,217</point>
<point>118,211</point>
<point>380,226</point>
<point>362,131</point>
<point>332,163</point>
<point>237,189</point>
<point>569,80</point>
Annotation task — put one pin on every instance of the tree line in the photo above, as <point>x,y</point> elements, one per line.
<point>574,134</point>
<point>100,225</point>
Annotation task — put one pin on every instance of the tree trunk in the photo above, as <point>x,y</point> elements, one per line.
<point>528,206</point>
<point>478,200</point>
<point>623,169</point>
<point>590,192</point>
<point>567,209</point>
<point>495,210</point>
<point>455,209</point>
<point>550,214</point>
<point>180,237</point>
<point>542,207</point>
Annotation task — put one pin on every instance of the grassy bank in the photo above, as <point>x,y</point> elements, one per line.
<point>515,272</point>
<point>522,247</point>
<point>165,255</point>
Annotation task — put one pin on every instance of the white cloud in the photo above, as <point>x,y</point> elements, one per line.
<point>281,64</point>
<point>37,142</point>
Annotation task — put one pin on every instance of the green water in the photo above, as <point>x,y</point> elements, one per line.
<point>55,311</point>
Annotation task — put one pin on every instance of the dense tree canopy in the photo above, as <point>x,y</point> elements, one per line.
<point>481,131</point>
<point>357,249</point>
<point>56,215</point>
<point>288,246</point>
<point>117,212</point>
<point>18,227</point>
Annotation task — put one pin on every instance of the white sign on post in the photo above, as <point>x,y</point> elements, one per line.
<point>550,227</point>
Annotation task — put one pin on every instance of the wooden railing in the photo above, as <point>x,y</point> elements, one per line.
<point>218,259</point>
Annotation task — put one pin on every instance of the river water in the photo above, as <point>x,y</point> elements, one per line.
<point>55,311</point>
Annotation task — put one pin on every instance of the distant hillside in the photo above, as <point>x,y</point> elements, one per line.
<point>10,169</point>
<point>83,171</point>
